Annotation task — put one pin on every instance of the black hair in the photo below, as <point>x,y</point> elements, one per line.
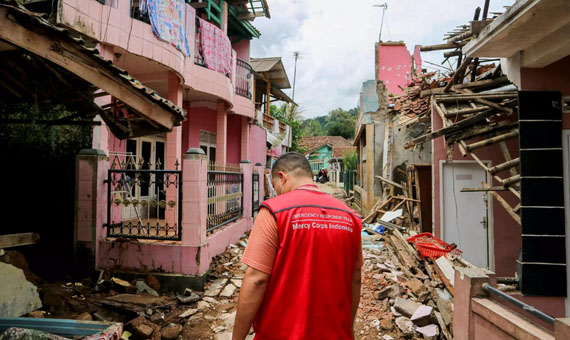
<point>292,162</point>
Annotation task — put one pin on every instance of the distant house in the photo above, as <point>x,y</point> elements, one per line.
<point>320,149</point>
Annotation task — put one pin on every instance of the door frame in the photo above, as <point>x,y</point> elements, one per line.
<point>490,217</point>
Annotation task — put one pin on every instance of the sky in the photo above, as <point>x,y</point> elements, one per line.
<point>337,37</point>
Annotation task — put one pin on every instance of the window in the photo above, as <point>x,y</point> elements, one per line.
<point>208,144</point>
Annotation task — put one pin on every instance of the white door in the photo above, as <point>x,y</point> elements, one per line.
<point>465,213</point>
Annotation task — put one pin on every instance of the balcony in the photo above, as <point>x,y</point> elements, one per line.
<point>213,48</point>
<point>243,79</point>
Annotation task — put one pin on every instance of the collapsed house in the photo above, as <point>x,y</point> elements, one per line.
<point>497,169</point>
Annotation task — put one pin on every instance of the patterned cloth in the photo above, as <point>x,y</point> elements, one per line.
<point>216,48</point>
<point>168,19</point>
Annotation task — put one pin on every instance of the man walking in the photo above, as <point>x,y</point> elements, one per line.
<point>304,258</point>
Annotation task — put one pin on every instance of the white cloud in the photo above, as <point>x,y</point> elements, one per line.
<point>337,39</point>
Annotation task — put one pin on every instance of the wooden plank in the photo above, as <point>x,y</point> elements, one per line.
<point>446,273</point>
<point>474,96</point>
<point>71,58</point>
<point>466,111</point>
<point>388,181</point>
<point>17,240</point>
<point>482,130</point>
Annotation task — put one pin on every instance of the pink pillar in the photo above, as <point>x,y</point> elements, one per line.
<point>221,133</point>
<point>468,284</point>
<point>195,198</point>
<point>246,168</point>
<point>245,138</point>
<point>91,205</point>
<point>173,146</point>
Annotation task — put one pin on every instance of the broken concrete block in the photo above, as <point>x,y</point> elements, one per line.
<point>211,300</point>
<point>188,299</point>
<point>171,332</point>
<point>237,282</point>
<point>188,312</point>
<point>417,286</point>
<point>18,296</point>
<point>203,305</point>
<point>405,306</point>
<point>144,331</point>
<point>228,291</point>
<point>429,331</point>
<point>405,325</point>
<point>216,287</point>
<point>218,329</point>
<point>391,291</point>
<point>142,287</point>
<point>423,315</point>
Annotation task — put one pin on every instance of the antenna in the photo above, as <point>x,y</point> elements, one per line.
<point>296,55</point>
<point>384,7</point>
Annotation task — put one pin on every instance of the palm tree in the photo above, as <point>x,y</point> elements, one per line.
<point>293,112</point>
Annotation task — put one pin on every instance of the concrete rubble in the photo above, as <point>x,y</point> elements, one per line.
<point>18,296</point>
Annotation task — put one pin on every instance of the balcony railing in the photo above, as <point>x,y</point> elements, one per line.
<point>243,76</point>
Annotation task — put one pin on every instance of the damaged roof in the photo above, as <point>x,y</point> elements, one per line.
<point>77,75</point>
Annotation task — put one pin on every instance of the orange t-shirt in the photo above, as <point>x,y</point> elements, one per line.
<point>263,244</point>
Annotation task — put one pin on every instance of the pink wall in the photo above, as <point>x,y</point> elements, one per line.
<point>233,150</point>
<point>418,59</point>
<point>257,144</point>
<point>506,230</point>
<point>242,49</point>
<point>555,77</point>
<point>197,119</point>
<point>394,66</point>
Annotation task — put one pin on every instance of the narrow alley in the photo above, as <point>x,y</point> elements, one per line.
<point>285,169</point>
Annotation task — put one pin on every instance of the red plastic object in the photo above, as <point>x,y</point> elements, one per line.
<point>430,246</point>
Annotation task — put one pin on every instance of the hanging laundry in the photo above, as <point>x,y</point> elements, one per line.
<point>216,48</point>
<point>168,19</point>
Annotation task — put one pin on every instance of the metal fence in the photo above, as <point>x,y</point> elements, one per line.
<point>144,203</point>
<point>243,76</point>
<point>225,196</point>
<point>254,193</point>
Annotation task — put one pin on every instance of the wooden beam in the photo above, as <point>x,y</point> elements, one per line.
<point>502,188</point>
<point>493,140</point>
<point>439,47</point>
<point>474,96</point>
<point>389,181</point>
<point>17,240</point>
<point>473,84</point>
<point>460,70</point>
<point>504,166</point>
<point>466,111</point>
<point>482,130</point>
<point>507,207</point>
<point>507,155</point>
<point>512,180</point>
<point>74,59</point>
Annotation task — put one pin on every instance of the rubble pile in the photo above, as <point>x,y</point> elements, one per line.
<point>138,304</point>
<point>403,296</point>
<point>411,106</point>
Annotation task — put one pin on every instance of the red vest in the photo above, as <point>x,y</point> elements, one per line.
<point>310,289</point>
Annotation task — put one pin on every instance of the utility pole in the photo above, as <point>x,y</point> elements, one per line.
<point>384,7</point>
<point>296,55</point>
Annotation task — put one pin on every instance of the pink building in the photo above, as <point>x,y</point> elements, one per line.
<point>394,65</point>
<point>167,203</point>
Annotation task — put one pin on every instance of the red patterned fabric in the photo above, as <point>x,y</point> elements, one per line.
<point>216,48</point>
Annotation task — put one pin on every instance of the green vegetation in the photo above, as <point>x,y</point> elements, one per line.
<point>338,122</point>
<point>350,160</point>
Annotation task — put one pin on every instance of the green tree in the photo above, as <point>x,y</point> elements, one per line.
<point>290,114</point>
<point>340,123</point>
<point>312,128</point>
<point>350,159</point>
